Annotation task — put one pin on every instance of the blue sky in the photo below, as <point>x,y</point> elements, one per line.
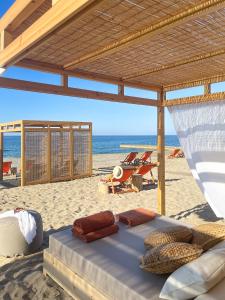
<point>108,118</point>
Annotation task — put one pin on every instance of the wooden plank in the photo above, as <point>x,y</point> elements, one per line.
<point>196,99</point>
<point>192,83</point>
<point>145,33</point>
<point>161,156</point>
<point>5,39</point>
<point>13,12</point>
<point>1,155</point>
<point>56,16</point>
<point>55,69</point>
<point>73,284</point>
<point>23,156</point>
<point>73,92</point>
<point>147,147</point>
<point>24,14</point>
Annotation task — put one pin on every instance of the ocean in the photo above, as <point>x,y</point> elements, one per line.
<point>101,144</point>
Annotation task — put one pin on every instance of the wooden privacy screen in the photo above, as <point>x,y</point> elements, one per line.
<point>56,153</point>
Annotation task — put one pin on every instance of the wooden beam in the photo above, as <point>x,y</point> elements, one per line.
<point>183,62</point>
<point>147,32</point>
<point>5,39</point>
<point>13,12</point>
<point>192,83</point>
<point>55,17</point>
<point>28,10</point>
<point>73,92</point>
<point>50,68</point>
<point>161,155</point>
<point>1,155</point>
<point>196,99</point>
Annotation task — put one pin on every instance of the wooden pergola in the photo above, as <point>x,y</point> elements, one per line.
<point>51,150</point>
<point>148,44</point>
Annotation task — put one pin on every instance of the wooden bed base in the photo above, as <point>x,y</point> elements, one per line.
<point>73,284</point>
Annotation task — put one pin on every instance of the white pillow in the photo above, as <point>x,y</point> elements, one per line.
<point>196,277</point>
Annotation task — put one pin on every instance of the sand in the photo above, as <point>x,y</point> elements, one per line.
<point>61,203</point>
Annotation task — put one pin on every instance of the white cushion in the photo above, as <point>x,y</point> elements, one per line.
<point>196,277</point>
<point>216,293</point>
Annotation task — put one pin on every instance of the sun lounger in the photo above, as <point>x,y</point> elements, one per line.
<point>125,174</point>
<point>145,169</point>
<point>7,167</point>
<point>145,158</point>
<point>130,158</point>
<point>106,269</point>
<point>176,153</point>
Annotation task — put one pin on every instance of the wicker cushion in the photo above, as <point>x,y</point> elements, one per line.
<point>168,235</point>
<point>167,258</point>
<point>207,235</point>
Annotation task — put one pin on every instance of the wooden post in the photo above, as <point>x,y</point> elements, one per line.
<point>49,156</point>
<point>161,155</point>
<point>64,80</point>
<point>207,89</point>
<point>23,156</point>
<point>71,152</point>
<point>121,89</point>
<point>90,146</point>
<point>1,156</point>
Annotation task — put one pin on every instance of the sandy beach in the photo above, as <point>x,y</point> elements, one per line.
<point>60,203</point>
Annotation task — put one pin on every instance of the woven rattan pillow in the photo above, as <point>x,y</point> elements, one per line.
<point>167,258</point>
<point>168,235</point>
<point>208,235</point>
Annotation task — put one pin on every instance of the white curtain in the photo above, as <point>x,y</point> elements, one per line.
<point>201,131</point>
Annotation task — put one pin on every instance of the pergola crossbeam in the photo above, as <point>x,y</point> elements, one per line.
<point>73,92</point>
<point>49,68</point>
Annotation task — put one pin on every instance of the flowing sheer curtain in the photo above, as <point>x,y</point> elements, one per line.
<point>201,131</point>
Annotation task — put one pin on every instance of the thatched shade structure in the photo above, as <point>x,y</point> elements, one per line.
<point>155,45</point>
<point>51,151</point>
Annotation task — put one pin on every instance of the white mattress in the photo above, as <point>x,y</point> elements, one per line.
<point>111,264</point>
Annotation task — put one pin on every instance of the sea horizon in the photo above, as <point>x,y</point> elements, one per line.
<point>101,144</point>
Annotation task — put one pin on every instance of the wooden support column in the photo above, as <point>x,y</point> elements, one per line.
<point>49,157</point>
<point>71,152</point>
<point>207,88</point>
<point>161,155</point>
<point>90,145</point>
<point>64,81</point>
<point>1,156</point>
<point>121,89</point>
<point>23,156</point>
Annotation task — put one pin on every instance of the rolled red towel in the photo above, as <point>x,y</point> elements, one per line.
<point>96,235</point>
<point>94,222</point>
<point>136,216</point>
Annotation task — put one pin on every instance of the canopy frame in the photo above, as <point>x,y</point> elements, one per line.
<point>54,17</point>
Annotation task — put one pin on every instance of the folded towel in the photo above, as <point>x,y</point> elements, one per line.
<point>94,222</point>
<point>98,234</point>
<point>136,216</point>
